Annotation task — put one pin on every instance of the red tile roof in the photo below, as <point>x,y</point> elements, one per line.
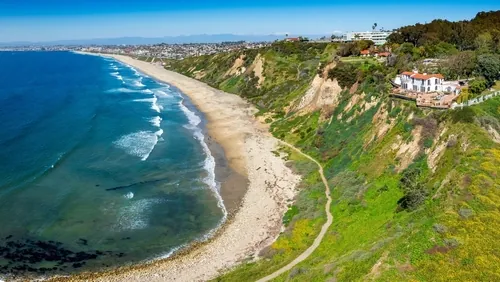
<point>423,76</point>
<point>365,52</point>
<point>384,54</point>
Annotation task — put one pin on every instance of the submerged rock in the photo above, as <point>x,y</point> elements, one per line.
<point>28,256</point>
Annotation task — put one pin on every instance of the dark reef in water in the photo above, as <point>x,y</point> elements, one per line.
<point>136,184</point>
<point>18,257</point>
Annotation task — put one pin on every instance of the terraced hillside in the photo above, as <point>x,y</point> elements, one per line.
<point>416,192</point>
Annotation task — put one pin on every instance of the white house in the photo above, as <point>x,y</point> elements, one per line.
<point>379,37</point>
<point>421,82</point>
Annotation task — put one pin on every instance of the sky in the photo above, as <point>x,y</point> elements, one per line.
<point>49,20</point>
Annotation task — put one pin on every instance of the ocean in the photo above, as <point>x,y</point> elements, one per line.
<point>100,166</point>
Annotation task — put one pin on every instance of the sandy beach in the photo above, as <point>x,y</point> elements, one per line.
<point>248,148</point>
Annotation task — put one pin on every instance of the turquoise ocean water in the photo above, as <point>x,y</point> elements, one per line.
<point>100,165</point>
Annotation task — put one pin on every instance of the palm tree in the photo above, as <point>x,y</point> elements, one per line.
<point>374,26</point>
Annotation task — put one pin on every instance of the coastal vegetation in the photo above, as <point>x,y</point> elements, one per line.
<point>415,191</point>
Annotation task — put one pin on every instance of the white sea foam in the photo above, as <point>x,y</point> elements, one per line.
<point>161,93</point>
<point>117,75</point>
<point>138,82</point>
<point>147,91</point>
<point>194,120</point>
<point>156,121</point>
<point>153,101</point>
<point>139,144</point>
<point>209,164</point>
<point>129,195</point>
<point>126,90</point>
<point>135,215</point>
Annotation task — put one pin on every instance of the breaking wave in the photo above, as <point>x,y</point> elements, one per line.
<point>139,144</point>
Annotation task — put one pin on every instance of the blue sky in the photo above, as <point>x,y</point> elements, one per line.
<point>46,20</point>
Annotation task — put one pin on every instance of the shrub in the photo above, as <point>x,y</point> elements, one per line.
<point>477,86</point>
<point>407,127</point>
<point>345,73</point>
<point>451,242</point>
<point>410,183</point>
<point>428,143</point>
<point>465,213</point>
<point>292,211</point>
<point>465,115</point>
<point>439,228</point>
<point>350,185</point>
<point>488,121</point>
<point>394,112</point>
<point>452,141</point>
<point>296,271</point>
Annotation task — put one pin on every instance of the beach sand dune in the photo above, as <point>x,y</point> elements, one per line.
<point>248,147</point>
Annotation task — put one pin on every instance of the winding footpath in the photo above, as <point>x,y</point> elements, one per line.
<point>324,228</point>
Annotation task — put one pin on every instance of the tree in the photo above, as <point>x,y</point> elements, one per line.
<point>348,49</point>
<point>460,65</point>
<point>396,38</point>
<point>374,26</point>
<point>488,65</point>
<point>364,44</point>
<point>406,48</point>
<point>484,43</point>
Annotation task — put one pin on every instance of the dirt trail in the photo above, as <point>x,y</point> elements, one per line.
<point>324,228</point>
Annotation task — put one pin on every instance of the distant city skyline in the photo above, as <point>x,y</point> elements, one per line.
<point>53,20</point>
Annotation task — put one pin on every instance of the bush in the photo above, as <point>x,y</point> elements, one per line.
<point>489,121</point>
<point>452,141</point>
<point>292,211</point>
<point>465,115</point>
<point>350,185</point>
<point>428,143</point>
<point>465,213</point>
<point>407,127</point>
<point>477,86</point>
<point>410,183</point>
<point>451,242</point>
<point>439,228</point>
<point>345,73</point>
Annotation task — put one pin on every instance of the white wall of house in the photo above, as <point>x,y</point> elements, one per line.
<point>432,84</point>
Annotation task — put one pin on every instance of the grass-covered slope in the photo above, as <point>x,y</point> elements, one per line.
<point>416,191</point>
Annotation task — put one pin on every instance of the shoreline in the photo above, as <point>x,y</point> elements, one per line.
<point>255,221</point>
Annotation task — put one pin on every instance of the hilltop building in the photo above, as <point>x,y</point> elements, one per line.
<point>379,37</point>
<point>427,90</point>
<point>421,82</point>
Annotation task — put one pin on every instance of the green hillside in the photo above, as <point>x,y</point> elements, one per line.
<point>416,191</point>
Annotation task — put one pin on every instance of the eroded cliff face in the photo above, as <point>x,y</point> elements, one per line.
<point>323,94</point>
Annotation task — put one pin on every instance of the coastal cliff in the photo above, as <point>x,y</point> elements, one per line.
<point>415,191</point>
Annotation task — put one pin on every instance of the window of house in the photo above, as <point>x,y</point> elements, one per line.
<point>436,81</point>
<point>436,87</point>
<point>429,82</point>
